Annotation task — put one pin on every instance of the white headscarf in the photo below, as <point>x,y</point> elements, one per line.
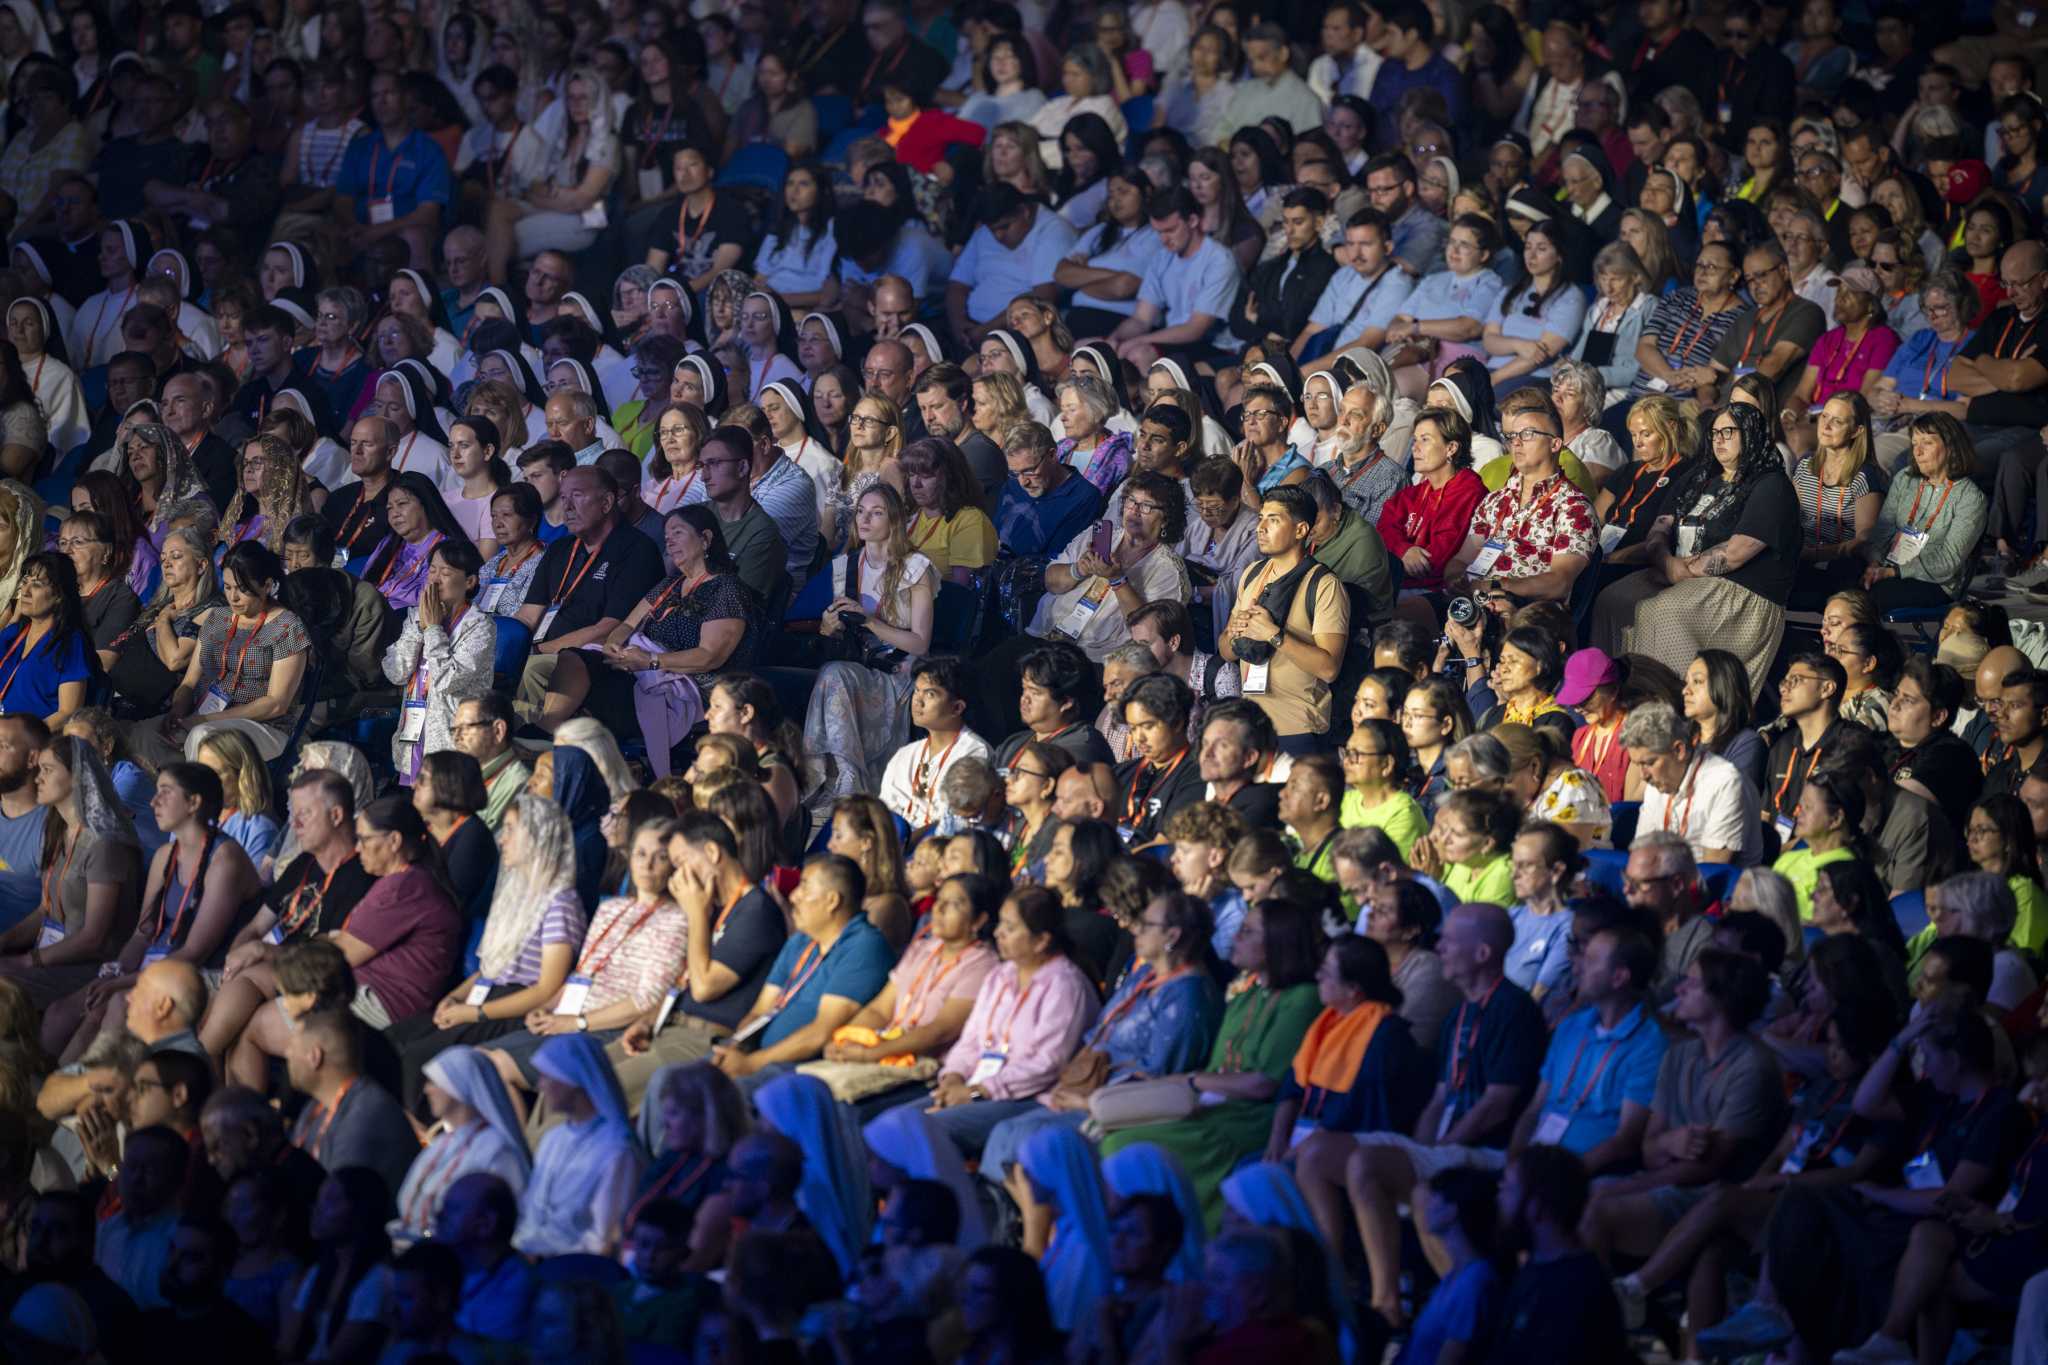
<point>831,330</point>
<point>524,892</point>
<point>464,1074</point>
<point>908,1139</point>
<point>1147,1168</point>
<point>834,1193</point>
<point>593,739</point>
<point>1076,1265</point>
<point>296,256</point>
<point>578,1059</point>
<point>600,148</point>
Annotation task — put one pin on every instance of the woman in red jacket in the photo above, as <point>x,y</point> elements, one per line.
<point>919,133</point>
<point>1425,523</point>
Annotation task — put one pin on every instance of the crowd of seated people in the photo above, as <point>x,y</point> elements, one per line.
<point>804,680</point>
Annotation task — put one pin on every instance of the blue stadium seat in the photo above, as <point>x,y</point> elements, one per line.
<point>1909,908</point>
<point>1604,867</point>
<point>515,641</point>
<point>759,165</point>
<point>1720,879</point>
<point>1625,814</point>
<point>835,113</point>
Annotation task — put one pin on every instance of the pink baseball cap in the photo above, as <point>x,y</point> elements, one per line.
<point>1585,670</point>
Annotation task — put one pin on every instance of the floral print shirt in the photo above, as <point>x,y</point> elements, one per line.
<point>1555,520</point>
<point>1574,797</point>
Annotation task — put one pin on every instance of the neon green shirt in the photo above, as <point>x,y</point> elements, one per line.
<point>1801,867</point>
<point>1400,815</point>
<point>1492,881</point>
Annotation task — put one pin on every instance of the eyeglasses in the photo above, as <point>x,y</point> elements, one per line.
<point>1883,267</point>
<point>1149,508</point>
<point>861,419</point>
<point>1760,276</point>
<point>1730,432</point>
<point>1527,436</point>
<point>1799,680</point>
<point>1262,414</point>
<point>874,372</point>
<point>1811,173</point>
<point>1360,755</point>
<point>1031,772</point>
<point>1629,883</point>
<point>2020,284</point>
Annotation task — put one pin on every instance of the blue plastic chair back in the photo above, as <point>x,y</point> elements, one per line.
<point>834,112</point>
<point>515,641</point>
<point>759,165</point>
<point>1604,868</point>
<point>1720,879</point>
<point>1138,118</point>
<point>810,604</point>
<point>1625,814</point>
<point>1909,908</point>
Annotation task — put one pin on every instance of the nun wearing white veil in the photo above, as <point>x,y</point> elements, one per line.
<point>906,1138</point>
<point>479,1131</point>
<point>1216,439</point>
<point>1146,1168</point>
<point>58,392</point>
<point>1061,1176</point>
<point>834,1193</point>
<point>326,463</point>
<point>614,371</point>
<point>588,1165</point>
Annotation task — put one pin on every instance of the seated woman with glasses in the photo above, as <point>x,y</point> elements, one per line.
<point>1916,381</point>
<point>1721,561</point>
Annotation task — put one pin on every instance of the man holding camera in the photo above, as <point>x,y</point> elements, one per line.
<point>1288,629</point>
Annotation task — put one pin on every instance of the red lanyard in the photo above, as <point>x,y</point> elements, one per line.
<point>447,1168</point>
<point>1946,489</point>
<point>668,1189</point>
<point>683,239</point>
<point>562,593</point>
<point>52,889</point>
<point>312,1148</point>
<point>243,660</point>
<point>1820,507</point>
<point>357,518</point>
<point>593,970</point>
<point>1120,1008</point>
<point>1750,344</point>
<point>21,643</point>
<point>1419,520</point>
<point>912,1000</point>
<point>1934,1128</point>
<point>1630,505</point>
<point>800,975</point>
<point>1841,376</point>
<point>1594,1079</point>
<point>1355,475</point>
<point>1459,1061</point>
<point>1790,763</point>
<point>399,554</point>
<point>1689,789</point>
<point>391,180</point>
<point>988,1035</point>
<point>1834,1138</point>
<point>920,787</point>
<point>163,896</point>
<point>661,493</point>
<point>420,678</point>
<point>1678,347</point>
<point>293,916</point>
<point>918,542</point>
<point>1133,803</point>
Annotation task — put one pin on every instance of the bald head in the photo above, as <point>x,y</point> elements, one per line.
<point>887,369</point>
<point>1992,671</point>
<point>895,305</point>
<point>1075,797</point>
<point>1489,926</point>
<point>2025,259</point>
<point>168,998</point>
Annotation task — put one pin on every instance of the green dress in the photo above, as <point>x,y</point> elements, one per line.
<point>1262,1030</point>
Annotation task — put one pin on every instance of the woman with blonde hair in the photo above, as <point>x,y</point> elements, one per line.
<point>1664,432</point>
<point>998,404</point>
<point>1624,301</point>
<point>874,441</point>
<point>555,210</point>
<point>1838,502</point>
<point>531,936</point>
<point>1012,158</point>
<point>858,714</point>
<point>864,830</point>
<point>262,512</point>
<point>152,655</point>
<point>1645,234</point>
<point>245,795</point>
<point>1040,324</point>
<point>694,1118</point>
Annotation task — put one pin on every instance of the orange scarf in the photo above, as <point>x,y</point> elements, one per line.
<point>1334,1047</point>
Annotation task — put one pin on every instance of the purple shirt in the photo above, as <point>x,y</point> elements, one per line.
<point>562,922</point>
<point>416,932</point>
<point>402,579</point>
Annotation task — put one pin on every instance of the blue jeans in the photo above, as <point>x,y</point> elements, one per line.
<point>1007,1141</point>
<point>969,1125</point>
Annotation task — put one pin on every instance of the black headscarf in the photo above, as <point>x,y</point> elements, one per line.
<point>1759,458</point>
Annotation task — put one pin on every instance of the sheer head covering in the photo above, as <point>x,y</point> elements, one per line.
<point>779,316</point>
<point>578,1059</point>
<point>53,335</point>
<point>712,380</point>
<point>1112,372</point>
<point>581,379</point>
<point>1020,355</point>
<point>1759,457</point>
<point>23,510</point>
<point>1147,1168</point>
<point>908,1139</point>
<point>584,798</point>
<point>525,891</point>
<point>593,739</point>
<point>834,1193</point>
<point>437,312</point>
<point>1076,1265</point>
<point>1374,373</point>
<point>180,272</point>
<point>305,275</point>
<point>418,398</point>
<point>1265,1193</point>
<point>465,1074</point>
<point>1470,390</point>
<point>334,756</point>
<point>797,401</point>
<point>522,377</point>
<point>724,1133</point>
<point>552,125</point>
<point>99,806</point>
<point>181,478</point>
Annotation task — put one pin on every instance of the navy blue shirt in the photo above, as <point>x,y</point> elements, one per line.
<point>1499,1040</point>
<point>855,967</point>
<point>1045,525</point>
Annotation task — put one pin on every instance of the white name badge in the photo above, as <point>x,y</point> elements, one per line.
<point>1726,114</point>
<point>52,934</point>
<point>985,1070</point>
<point>1445,1120</point>
<point>1077,617</point>
<point>1923,1172</point>
<point>574,993</point>
<point>412,721</point>
<point>214,702</point>
<point>547,623</point>
<point>1252,678</point>
<point>1488,553</point>
<point>494,591</point>
<point>1302,1130</point>
<point>1611,536</point>
<point>650,184</point>
<point>1906,547</point>
<point>479,993</point>
<point>1656,385</point>
<point>1795,1160</point>
<point>2011,1202</point>
<point>381,211</point>
<point>341,558</point>
<point>668,1007</point>
<point>1550,1130</point>
<point>1784,824</point>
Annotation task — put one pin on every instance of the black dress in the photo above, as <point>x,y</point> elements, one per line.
<point>675,622</point>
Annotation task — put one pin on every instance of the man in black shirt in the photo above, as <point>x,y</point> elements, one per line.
<point>1752,79</point>
<point>587,583</point>
<point>268,330</point>
<point>189,408</point>
<point>1672,52</point>
<point>831,50</point>
<point>945,399</point>
<point>356,511</point>
<point>315,891</point>
<point>1237,745</point>
<point>1158,780</point>
<point>1810,696</point>
<point>198,1322</point>
<point>1053,702</point>
<point>1283,291</point>
<point>1560,1308</point>
<point>2022,749</point>
<point>1934,762</point>
<point>898,58</point>
<point>2003,376</point>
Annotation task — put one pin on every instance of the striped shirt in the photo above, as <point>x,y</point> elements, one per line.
<point>637,959</point>
<point>1684,335</point>
<point>321,149</point>
<point>1828,514</point>
<point>561,922</point>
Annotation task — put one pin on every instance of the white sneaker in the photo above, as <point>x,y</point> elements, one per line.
<point>1879,1350</point>
<point>1635,1304</point>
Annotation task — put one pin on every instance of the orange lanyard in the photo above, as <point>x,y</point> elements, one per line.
<point>52,889</point>
<point>1592,1080</point>
<point>358,517</point>
<point>1689,789</point>
<point>391,180</point>
<point>1133,803</point>
<point>295,917</point>
<point>1811,764</point>
<point>1750,344</point>
<point>684,239</point>
<point>585,967</point>
<point>1946,489</point>
<point>668,1189</point>
<point>918,542</point>
<point>241,662</point>
<point>988,1035</point>
<point>21,643</point>
<point>511,566</point>
<point>163,897</point>
<point>1459,1059</point>
<point>654,611</point>
<point>1927,384</point>
<point>1841,376</point>
<point>1234,1058</point>
<point>913,999</point>
<point>800,975</point>
<point>1678,347</point>
<point>1120,1008</point>
<point>447,1168</point>
<point>562,593</point>
<point>1598,750</point>
<point>661,493</point>
<point>1355,475</point>
<point>920,787</point>
<point>312,1148</point>
<point>348,358</point>
<point>1630,505</point>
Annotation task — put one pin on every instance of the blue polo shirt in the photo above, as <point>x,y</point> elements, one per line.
<point>1590,1072</point>
<point>855,968</point>
<point>1047,524</point>
<point>414,174</point>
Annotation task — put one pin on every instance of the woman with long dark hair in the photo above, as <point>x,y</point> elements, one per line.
<point>1722,574</point>
<point>91,857</point>
<point>326,1319</point>
<point>1538,318</point>
<point>46,657</point>
<point>797,253</point>
<point>697,623</point>
<point>1088,153</point>
<point>1716,697</point>
<point>419,521</point>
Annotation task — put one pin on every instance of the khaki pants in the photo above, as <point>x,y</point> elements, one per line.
<point>686,1039</point>
<point>533,685</point>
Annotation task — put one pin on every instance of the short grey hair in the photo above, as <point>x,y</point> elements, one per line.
<point>1031,436</point>
<point>1487,755</point>
<point>1983,903</point>
<point>1576,376</point>
<point>969,784</point>
<point>580,403</point>
<point>1131,654</point>
<point>1094,61</point>
<point>1621,257</point>
<point>1671,844</point>
<point>1654,725</point>
<point>1959,290</point>
<point>347,298</point>
<point>1093,393</point>
<point>1828,159</point>
<point>1816,222</point>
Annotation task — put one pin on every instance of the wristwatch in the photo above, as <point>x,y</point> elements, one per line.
<point>582,1023</point>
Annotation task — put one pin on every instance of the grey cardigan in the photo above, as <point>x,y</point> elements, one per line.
<point>1951,536</point>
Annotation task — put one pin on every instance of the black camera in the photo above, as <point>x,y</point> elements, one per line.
<point>1463,611</point>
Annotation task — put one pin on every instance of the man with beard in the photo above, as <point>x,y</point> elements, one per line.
<point>1164,440</point>
<point>1559,1307</point>
<point>23,738</point>
<point>945,400</point>
<point>197,1323</point>
<point>242,1132</point>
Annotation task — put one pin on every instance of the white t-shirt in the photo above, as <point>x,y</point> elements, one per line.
<point>1714,807</point>
<point>899,788</point>
<point>1158,575</point>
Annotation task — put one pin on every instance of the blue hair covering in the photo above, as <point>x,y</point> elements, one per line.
<point>581,793</point>
<point>834,1192</point>
<point>1266,1193</point>
<point>1147,1168</point>
<point>1062,1164</point>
